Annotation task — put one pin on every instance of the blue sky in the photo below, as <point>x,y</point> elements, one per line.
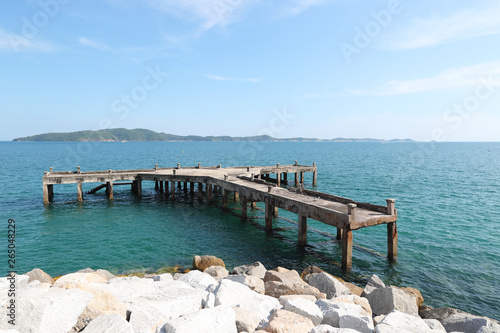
<point>425,70</point>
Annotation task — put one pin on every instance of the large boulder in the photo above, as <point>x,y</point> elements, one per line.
<point>234,294</point>
<point>401,322</point>
<point>385,300</point>
<point>457,320</point>
<point>251,281</point>
<point>415,293</point>
<point>217,272</point>
<point>306,308</point>
<point>220,319</point>
<point>109,323</point>
<point>285,298</point>
<point>283,321</point>
<point>255,269</point>
<point>80,278</point>
<point>327,284</point>
<point>360,323</point>
<point>333,311</point>
<point>199,280</point>
<point>308,271</point>
<point>353,299</point>
<point>435,324</point>
<point>372,284</point>
<point>203,262</point>
<point>246,320</point>
<point>39,275</point>
<point>278,289</point>
<point>281,274</point>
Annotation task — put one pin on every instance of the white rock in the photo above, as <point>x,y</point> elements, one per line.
<point>109,324</point>
<point>363,324</point>
<point>372,284</point>
<point>255,269</point>
<point>146,318</point>
<point>220,319</point>
<point>285,298</point>
<point>251,281</point>
<point>402,321</point>
<point>163,277</point>
<point>41,310</point>
<point>328,284</point>
<point>435,324</point>
<point>332,311</point>
<point>217,272</point>
<point>79,278</point>
<point>246,320</point>
<point>199,280</point>
<point>235,294</point>
<point>306,308</point>
<point>465,322</point>
<point>385,300</point>
<point>324,329</point>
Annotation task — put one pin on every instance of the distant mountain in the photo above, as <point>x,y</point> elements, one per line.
<point>140,134</point>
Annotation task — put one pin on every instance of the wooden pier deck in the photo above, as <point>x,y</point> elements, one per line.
<point>249,184</point>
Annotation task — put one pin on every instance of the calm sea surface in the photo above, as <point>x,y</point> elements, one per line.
<point>448,197</point>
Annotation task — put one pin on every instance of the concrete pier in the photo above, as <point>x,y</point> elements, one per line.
<point>249,184</point>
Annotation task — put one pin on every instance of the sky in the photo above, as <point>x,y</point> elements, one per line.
<point>424,70</point>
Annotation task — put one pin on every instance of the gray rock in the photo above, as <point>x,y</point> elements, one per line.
<point>246,320</point>
<point>199,280</point>
<point>324,329</point>
<point>328,284</point>
<point>435,324</point>
<point>363,324</point>
<point>217,272</point>
<point>234,294</point>
<point>220,319</point>
<point>255,269</point>
<point>306,308</point>
<point>39,275</point>
<point>372,284</point>
<point>404,322</point>
<point>332,311</point>
<point>251,281</point>
<point>457,320</point>
<point>146,318</point>
<point>385,300</point>
<point>177,276</point>
<point>109,324</point>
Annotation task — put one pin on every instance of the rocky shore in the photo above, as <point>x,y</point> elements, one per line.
<point>209,299</point>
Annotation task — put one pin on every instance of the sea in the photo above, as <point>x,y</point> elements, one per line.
<point>447,196</point>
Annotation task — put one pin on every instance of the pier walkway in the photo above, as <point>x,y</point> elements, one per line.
<point>249,184</point>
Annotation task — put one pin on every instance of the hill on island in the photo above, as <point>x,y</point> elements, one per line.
<point>140,134</point>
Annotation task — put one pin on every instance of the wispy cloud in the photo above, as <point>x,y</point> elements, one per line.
<point>447,29</point>
<point>298,6</point>
<point>210,13</point>
<point>446,80</point>
<point>221,78</point>
<point>92,43</point>
<point>11,42</point>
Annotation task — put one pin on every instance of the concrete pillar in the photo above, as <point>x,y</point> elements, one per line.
<point>200,190</point>
<point>285,178</point>
<point>278,178</point>
<point>347,239</point>
<point>172,190</point>
<point>79,188</point>
<point>50,188</point>
<point>302,177</point>
<point>179,185</point>
<point>269,216</point>
<point>244,207</point>
<point>161,186</point>
<point>209,192</point>
<point>191,188</point>
<point>167,193</point>
<point>185,187</point>
<point>133,187</point>
<point>236,196</point>
<point>157,186</point>
<point>109,189</point>
<point>392,232</point>
<point>296,179</point>
<point>315,174</point>
<point>302,229</point>
<point>224,198</point>
<point>46,197</point>
<point>139,188</point>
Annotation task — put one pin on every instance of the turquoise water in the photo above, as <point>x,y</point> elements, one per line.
<point>447,196</point>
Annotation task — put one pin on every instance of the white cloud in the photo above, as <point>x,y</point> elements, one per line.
<point>11,42</point>
<point>221,78</point>
<point>450,79</point>
<point>92,43</point>
<point>211,13</point>
<point>299,6</point>
<point>447,29</point>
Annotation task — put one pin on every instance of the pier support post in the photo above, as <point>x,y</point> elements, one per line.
<point>269,216</point>
<point>236,196</point>
<point>244,207</point>
<point>302,230</point>
<point>209,192</point>
<point>179,185</point>
<point>157,186</point>
<point>315,174</point>
<point>167,193</point>
<point>46,197</point>
<point>139,188</point>
<point>296,179</point>
<point>392,233</point>
<point>302,177</point>
<point>109,189</point>
<point>161,186</point>
<point>79,188</point>
<point>200,190</point>
<point>191,188</point>
<point>172,190</point>
<point>224,198</point>
<point>347,239</point>
<point>285,178</point>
